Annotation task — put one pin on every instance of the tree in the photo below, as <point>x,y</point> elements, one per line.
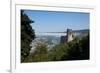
<point>85,47</point>
<point>78,49</point>
<point>27,35</point>
<point>40,53</point>
<point>58,52</point>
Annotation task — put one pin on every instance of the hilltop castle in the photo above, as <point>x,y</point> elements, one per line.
<point>71,34</point>
<point>69,37</point>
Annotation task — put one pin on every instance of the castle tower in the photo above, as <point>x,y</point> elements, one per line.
<point>70,35</point>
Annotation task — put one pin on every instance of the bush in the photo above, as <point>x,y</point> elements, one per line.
<point>78,49</point>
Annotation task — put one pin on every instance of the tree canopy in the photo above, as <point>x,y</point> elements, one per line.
<point>27,35</point>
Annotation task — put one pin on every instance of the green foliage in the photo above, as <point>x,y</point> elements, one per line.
<point>85,47</point>
<point>27,35</point>
<point>78,49</point>
<point>39,55</point>
<point>58,52</point>
<point>74,50</point>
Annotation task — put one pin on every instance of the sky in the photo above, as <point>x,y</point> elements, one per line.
<point>52,21</point>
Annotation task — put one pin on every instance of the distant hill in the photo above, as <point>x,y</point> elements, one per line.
<point>81,33</point>
<point>49,40</point>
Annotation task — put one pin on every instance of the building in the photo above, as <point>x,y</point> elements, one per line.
<point>69,36</point>
<point>63,39</point>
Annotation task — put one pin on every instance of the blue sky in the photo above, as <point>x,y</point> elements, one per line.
<point>50,21</point>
